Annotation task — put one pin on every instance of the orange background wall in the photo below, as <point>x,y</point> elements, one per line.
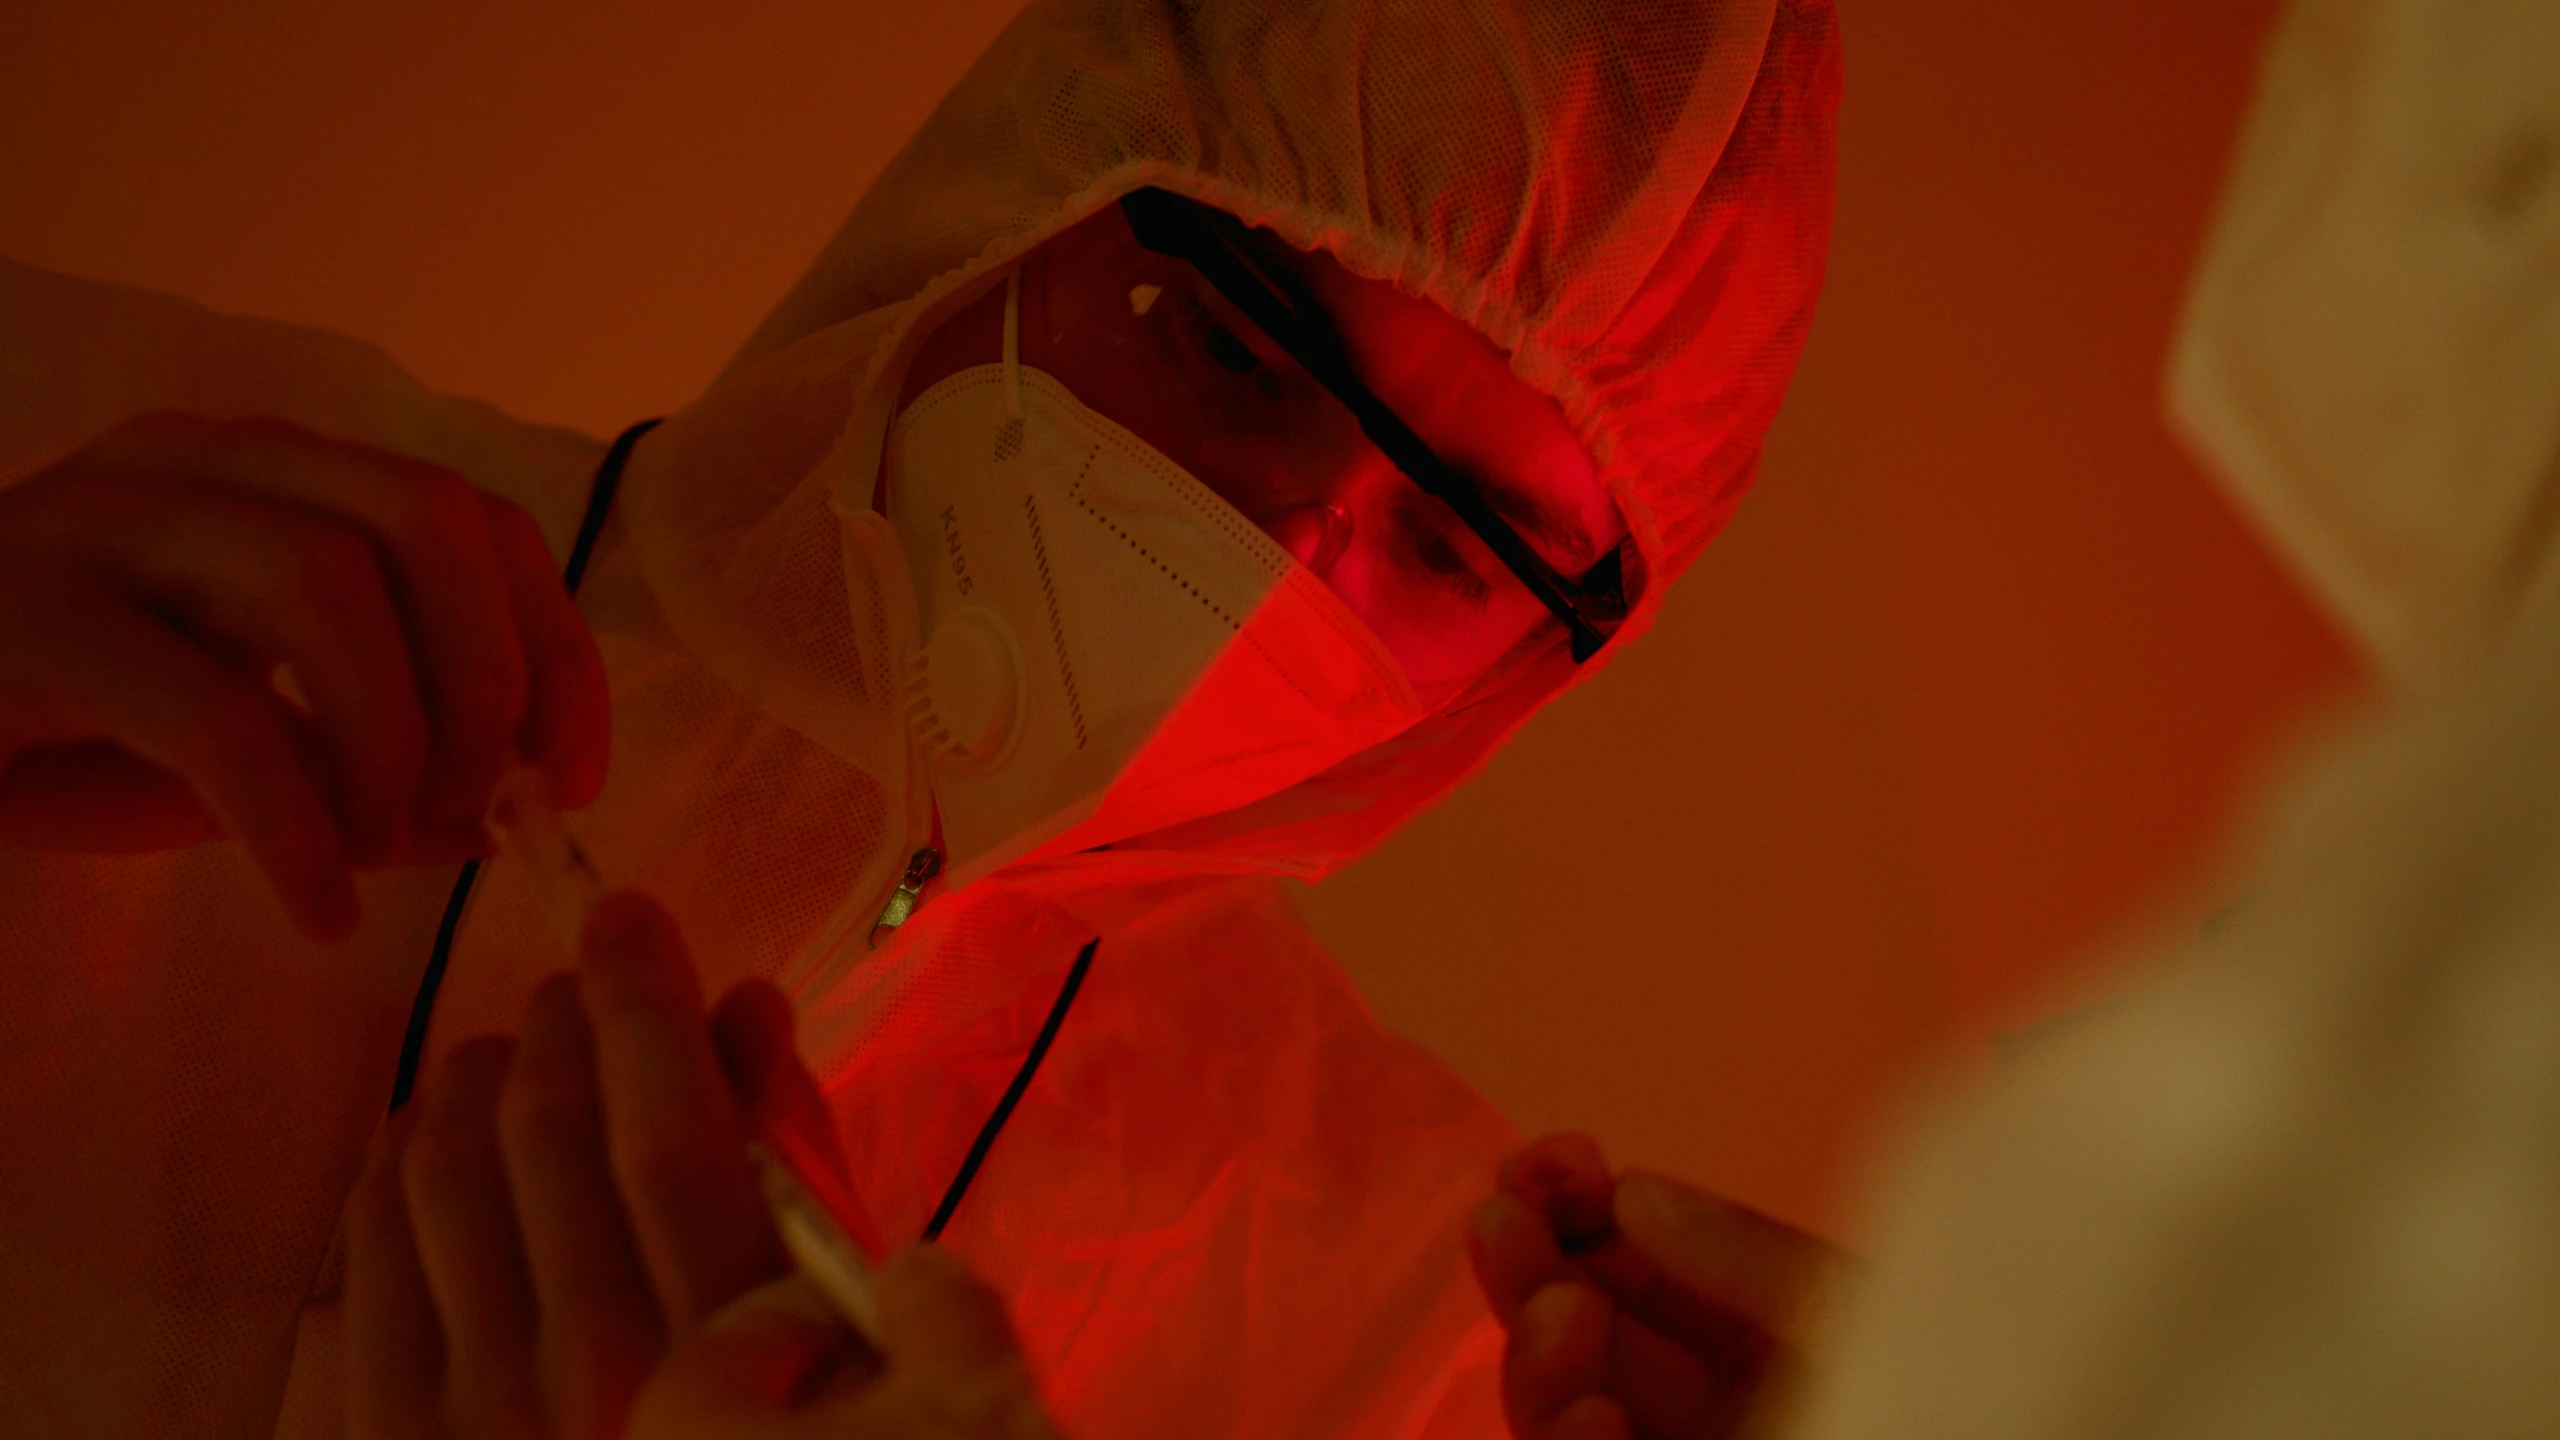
<point>1974,680</point>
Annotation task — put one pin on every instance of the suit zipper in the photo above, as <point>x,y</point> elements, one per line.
<point>921,868</point>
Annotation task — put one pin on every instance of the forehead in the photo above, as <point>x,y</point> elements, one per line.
<point>1457,390</point>
<point>1442,377</point>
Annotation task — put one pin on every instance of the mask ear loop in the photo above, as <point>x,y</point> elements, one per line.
<point>1013,344</point>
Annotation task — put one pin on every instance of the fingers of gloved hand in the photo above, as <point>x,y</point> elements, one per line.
<point>1514,1253</point>
<point>432,527</point>
<point>102,668</point>
<point>1673,1387</point>
<point>673,1129</point>
<point>752,1368</point>
<point>952,1364</point>
<point>599,1328</point>
<point>755,1032</point>
<point>567,726</point>
<point>938,1320</point>
<point>453,1176</point>
<point>755,1035</point>
<point>1565,1178</point>
<point>280,583</point>
<point>779,1363</point>
<point>394,1354</point>
<point>1555,1355</point>
<point>1688,1264</point>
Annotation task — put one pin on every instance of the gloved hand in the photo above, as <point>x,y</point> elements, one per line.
<point>778,1364</point>
<point>555,1216</point>
<point>152,584</point>
<point>1636,1307</point>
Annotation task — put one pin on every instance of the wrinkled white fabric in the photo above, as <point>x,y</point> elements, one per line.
<point>2372,352</point>
<point>1230,1205</point>
<point>2305,1185</point>
<point>2305,1181</point>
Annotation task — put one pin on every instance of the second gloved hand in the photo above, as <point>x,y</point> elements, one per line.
<point>1636,1307</point>
<point>553,1238</point>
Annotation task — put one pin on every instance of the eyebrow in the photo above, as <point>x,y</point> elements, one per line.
<point>1535,513</point>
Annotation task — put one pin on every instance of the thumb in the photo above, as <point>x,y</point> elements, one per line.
<point>937,1318</point>
<point>954,1365</point>
<point>1680,1246</point>
<point>754,1359</point>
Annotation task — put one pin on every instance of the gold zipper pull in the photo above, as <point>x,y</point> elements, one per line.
<point>925,864</point>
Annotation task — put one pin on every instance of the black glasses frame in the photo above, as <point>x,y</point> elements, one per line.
<point>1218,246</point>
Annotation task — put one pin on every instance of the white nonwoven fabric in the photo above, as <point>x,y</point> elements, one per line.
<point>2371,357</point>
<point>1231,1205</point>
<point>2304,1180</point>
<point>2302,1185</point>
<point>1632,199</point>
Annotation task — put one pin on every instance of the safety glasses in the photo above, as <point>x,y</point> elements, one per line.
<point>1217,245</point>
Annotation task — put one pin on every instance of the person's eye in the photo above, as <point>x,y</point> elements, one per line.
<point>1209,343</point>
<point>1443,566</point>
<point>1229,351</point>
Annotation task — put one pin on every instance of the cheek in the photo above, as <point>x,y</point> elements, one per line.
<point>1442,642</point>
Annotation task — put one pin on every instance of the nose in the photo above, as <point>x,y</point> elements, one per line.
<point>1315,534</point>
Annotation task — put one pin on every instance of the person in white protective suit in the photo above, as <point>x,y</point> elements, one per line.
<point>2304,1181</point>
<point>907,758</point>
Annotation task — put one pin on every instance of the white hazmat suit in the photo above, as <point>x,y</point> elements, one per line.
<point>1230,1204</point>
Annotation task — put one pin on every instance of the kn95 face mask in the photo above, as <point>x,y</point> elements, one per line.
<point>1108,648</point>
